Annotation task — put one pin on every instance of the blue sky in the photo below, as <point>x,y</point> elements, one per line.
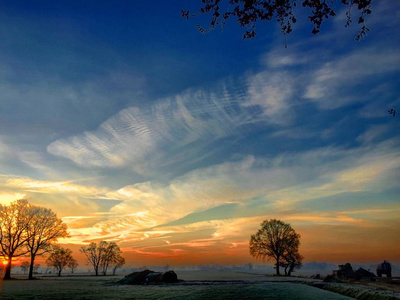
<point>136,128</point>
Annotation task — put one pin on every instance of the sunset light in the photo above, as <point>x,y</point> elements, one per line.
<point>169,135</point>
<point>194,169</point>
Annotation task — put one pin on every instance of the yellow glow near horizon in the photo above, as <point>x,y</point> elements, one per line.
<point>7,198</point>
<point>157,224</point>
<point>29,184</point>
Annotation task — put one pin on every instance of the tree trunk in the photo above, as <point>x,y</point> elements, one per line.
<point>277,266</point>
<point>59,273</point>
<point>105,271</point>
<point>291,268</point>
<point>30,276</point>
<point>8,269</point>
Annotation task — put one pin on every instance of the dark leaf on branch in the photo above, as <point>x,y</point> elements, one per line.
<point>248,13</point>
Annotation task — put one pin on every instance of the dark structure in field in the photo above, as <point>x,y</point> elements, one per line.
<point>346,272</point>
<point>150,277</point>
<point>384,268</point>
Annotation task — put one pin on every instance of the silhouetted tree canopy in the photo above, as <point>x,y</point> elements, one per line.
<point>119,262</point>
<point>59,258</point>
<point>26,228</point>
<point>278,240</point>
<point>291,258</point>
<point>43,229</point>
<point>14,221</point>
<point>248,12</point>
<point>73,264</point>
<point>103,255</point>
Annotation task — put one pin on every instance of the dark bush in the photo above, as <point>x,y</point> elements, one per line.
<point>149,277</point>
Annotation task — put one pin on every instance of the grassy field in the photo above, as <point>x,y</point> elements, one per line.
<point>197,285</point>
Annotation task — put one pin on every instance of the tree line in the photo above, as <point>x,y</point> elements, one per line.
<point>27,229</point>
<point>30,230</point>
<point>100,257</point>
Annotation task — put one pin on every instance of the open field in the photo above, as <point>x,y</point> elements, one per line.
<point>197,285</point>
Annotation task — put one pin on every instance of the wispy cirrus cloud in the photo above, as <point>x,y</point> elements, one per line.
<point>374,133</point>
<point>332,85</point>
<point>184,130</point>
<point>180,127</point>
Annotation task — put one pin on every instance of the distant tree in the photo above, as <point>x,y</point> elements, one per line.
<point>72,265</point>
<point>248,12</point>
<point>25,266</point>
<point>119,262</point>
<point>36,268</point>
<point>110,255</point>
<point>101,256</point>
<point>14,220</point>
<point>59,258</point>
<point>273,240</point>
<point>93,255</point>
<point>43,229</point>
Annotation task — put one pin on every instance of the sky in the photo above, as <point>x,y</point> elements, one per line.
<point>136,128</point>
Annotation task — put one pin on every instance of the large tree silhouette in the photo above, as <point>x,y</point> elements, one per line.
<point>273,240</point>
<point>14,221</point>
<point>27,229</point>
<point>43,229</point>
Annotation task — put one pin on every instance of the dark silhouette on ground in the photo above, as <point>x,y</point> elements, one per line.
<point>277,240</point>
<point>346,272</point>
<point>384,268</point>
<point>149,277</point>
<point>14,220</point>
<point>359,284</point>
<point>103,255</point>
<point>27,229</point>
<point>59,258</point>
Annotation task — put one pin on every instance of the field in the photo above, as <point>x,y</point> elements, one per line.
<point>196,285</point>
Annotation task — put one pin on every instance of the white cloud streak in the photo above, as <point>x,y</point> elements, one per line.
<point>330,83</point>
<point>143,138</point>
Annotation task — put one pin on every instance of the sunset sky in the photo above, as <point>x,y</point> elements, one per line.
<point>135,128</point>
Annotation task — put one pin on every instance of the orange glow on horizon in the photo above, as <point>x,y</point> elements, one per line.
<point>4,261</point>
